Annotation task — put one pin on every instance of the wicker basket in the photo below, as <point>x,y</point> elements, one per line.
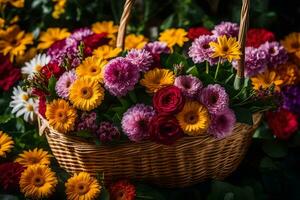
<point>190,160</point>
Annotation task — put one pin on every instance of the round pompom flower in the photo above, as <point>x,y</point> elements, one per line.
<point>194,118</point>
<point>87,121</point>
<point>141,58</point>
<point>215,98</point>
<point>276,53</point>
<point>201,51</point>
<point>122,190</point>
<point>226,28</point>
<point>195,32</point>
<point>63,84</point>
<point>107,132</point>
<point>120,76</point>
<point>157,48</point>
<point>135,122</point>
<point>258,36</point>
<point>189,85</point>
<point>86,94</point>
<point>222,124</point>
<point>10,176</point>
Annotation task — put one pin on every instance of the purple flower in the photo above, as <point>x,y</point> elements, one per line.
<point>120,76</point>
<point>200,50</point>
<point>189,85</point>
<point>87,122</point>
<point>157,48</point>
<point>141,58</point>
<point>77,36</point>
<point>276,53</point>
<point>215,98</point>
<point>107,132</point>
<point>226,28</point>
<point>135,122</point>
<point>222,124</point>
<point>63,84</point>
<point>291,98</point>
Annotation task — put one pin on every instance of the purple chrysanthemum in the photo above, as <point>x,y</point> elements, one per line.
<point>222,124</point>
<point>141,58</point>
<point>63,84</point>
<point>226,28</point>
<point>77,36</point>
<point>276,53</point>
<point>291,98</point>
<point>189,85</point>
<point>157,48</point>
<point>107,132</point>
<point>87,122</point>
<point>120,76</point>
<point>215,98</point>
<point>201,51</point>
<point>135,122</point>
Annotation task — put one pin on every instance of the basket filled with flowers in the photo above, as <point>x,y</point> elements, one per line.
<point>173,112</point>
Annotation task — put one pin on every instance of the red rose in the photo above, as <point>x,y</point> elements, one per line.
<point>10,175</point>
<point>197,31</point>
<point>8,73</point>
<point>165,129</point>
<point>168,100</point>
<point>283,123</point>
<point>122,190</point>
<point>258,36</point>
<point>52,69</point>
<point>93,41</point>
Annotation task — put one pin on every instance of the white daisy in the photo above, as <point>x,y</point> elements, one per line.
<point>35,64</point>
<point>19,95</point>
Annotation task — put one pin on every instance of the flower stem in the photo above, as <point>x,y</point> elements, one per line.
<point>218,67</point>
<point>207,68</point>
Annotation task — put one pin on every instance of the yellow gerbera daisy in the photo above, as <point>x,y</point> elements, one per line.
<point>15,3</point>
<point>61,115</point>
<point>59,8</point>
<point>52,35</point>
<point>92,67</point>
<point>194,118</point>
<point>13,41</point>
<point>266,80</point>
<point>38,181</point>
<point>6,144</point>
<point>157,78</point>
<point>86,94</point>
<point>107,52</point>
<point>106,27</point>
<point>82,186</point>
<point>34,157</point>
<point>174,36</point>
<point>288,73</point>
<point>291,42</point>
<point>133,41</point>
<point>226,48</point>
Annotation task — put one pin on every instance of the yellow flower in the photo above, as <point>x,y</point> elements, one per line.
<point>6,144</point>
<point>34,157</point>
<point>157,78</point>
<point>15,3</point>
<point>292,42</point>
<point>38,181</point>
<point>107,52</point>
<point>13,41</point>
<point>266,80</point>
<point>2,22</point>
<point>59,8</point>
<point>92,67</point>
<point>86,94</point>
<point>61,116</point>
<point>133,41</point>
<point>14,20</point>
<point>194,118</point>
<point>82,186</point>
<point>226,48</point>
<point>174,37</point>
<point>29,54</point>
<point>288,73</point>
<point>106,27</point>
<point>52,35</point>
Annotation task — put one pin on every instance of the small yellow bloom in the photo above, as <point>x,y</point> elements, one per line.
<point>292,43</point>
<point>15,3</point>
<point>266,80</point>
<point>34,157</point>
<point>106,27</point>
<point>226,48</point>
<point>2,22</point>
<point>107,52</point>
<point>52,35</point>
<point>61,115</point>
<point>59,8</point>
<point>288,73</point>
<point>38,182</point>
<point>6,144</point>
<point>156,79</point>
<point>133,41</point>
<point>194,118</point>
<point>82,186</point>
<point>174,37</point>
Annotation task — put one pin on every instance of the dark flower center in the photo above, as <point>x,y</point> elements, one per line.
<point>82,189</point>
<point>225,48</point>
<point>186,85</point>
<point>206,46</point>
<point>271,50</point>
<point>86,92</point>
<point>38,181</point>
<point>191,117</point>
<point>213,99</point>
<point>93,70</point>
<point>295,45</point>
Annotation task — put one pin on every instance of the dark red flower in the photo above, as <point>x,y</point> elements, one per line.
<point>93,41</point>
<point>165,129</point>
<point>122,190</point>
<point>8,73</point>
<point>258,36</point>
<point>197,31</point>
<point>10,175</point>
<point>168,100</point>
<point>42,100</point>
<point>52,69</point>
<point>283,123</point>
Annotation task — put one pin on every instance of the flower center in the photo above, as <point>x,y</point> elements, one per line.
<point>68,83</point>
<point>86,92</point>
<point>25,97</point>
<point>61,116</point>
<point>206,46</point>
<point>33,160</point>
<point>82,188</point>
<point>38,181</point>
<point>29,108</point>
<point>271,51</point>
<point>213,99</point>
<point>120,195</point>
<point>191,118</point>
<point>225,49</point>
<point>38,68</point>
<point>295,45</point>
<point>93,70</point>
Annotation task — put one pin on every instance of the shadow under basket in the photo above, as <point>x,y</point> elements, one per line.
<point>189,161</point>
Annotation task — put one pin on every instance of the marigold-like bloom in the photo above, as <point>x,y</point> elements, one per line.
<point>59,8</point>
<point>133,41</point>
<point>6,144</point>
<point>106,27</point>
<point>52,35</point>
<point>266,80</point>
<point>107,52</point>
<point>291,42</point>
<point>34,157</point>
<point>288,73</point>
<point>174,37</point>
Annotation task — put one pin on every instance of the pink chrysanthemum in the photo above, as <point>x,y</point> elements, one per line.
<point>87,122</point>
<point>64,82</point>
<point>276,53</point>
<point>189,85</point>
<point>141,58</point>
<point>222,124</point>
<point>226,28</point>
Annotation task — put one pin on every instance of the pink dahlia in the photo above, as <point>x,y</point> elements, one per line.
<point>222,124</point>
<point>276,53</point>
<point>64,82</point>
<point>226,28</point>
<point>189,85</point>
<point>141,58</point>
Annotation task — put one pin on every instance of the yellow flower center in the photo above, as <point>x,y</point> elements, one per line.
<point>82,188</point>
<point>25,97</point>
<point>38,181</point>
<point>86,92</point>
<point>61,115</point>
<point>33,160</point>
<point>38,68</point>
<point>29,108</point>
<point>191,117</point>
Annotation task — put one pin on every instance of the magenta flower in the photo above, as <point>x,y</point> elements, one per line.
<point>276,53</point>
<point>141,58</point>
<point>189,85</point>
<point>63,84</point>
<point>107,132</point>
<point>226,28</point>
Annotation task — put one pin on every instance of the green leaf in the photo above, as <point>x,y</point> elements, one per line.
<point>267,163</point>
<point>84,134</point>
<point>275,149</point>
<point>193,71</point>
<point>51,86</point>
<point>167,23</point>
<point>176,58</point>
<point>243,115</point>
<point>5,118</point>
<point>132,96</point>
<point>8,197</point>
<point>20,125</point>
<point>206,78</point>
